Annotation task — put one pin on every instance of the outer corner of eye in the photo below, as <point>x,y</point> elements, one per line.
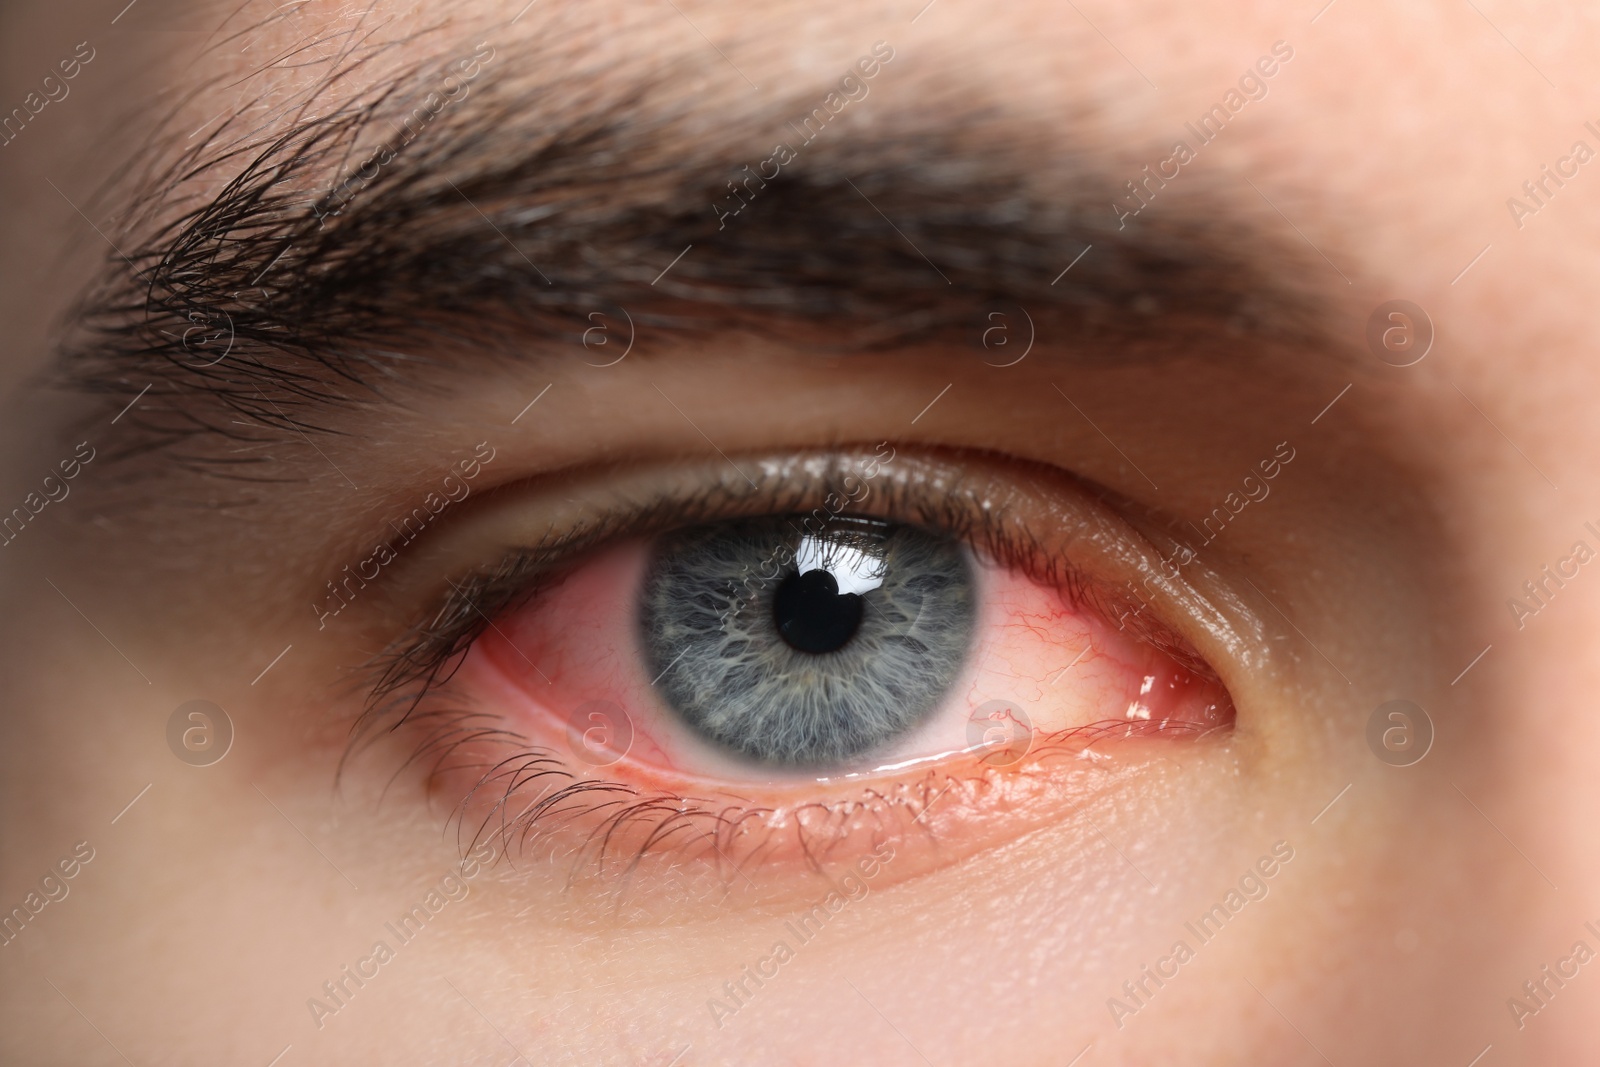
<point>762,685</point>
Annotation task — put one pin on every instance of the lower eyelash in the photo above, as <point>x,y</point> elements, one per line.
<point>606,829</point>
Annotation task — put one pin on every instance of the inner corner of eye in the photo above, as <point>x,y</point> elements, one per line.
<point>784,649</point>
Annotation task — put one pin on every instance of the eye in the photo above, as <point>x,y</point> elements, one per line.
<point>721,673</point>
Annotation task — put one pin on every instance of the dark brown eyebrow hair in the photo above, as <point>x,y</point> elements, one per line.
<point>352,252</point>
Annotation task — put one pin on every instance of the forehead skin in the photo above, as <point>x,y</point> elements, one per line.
<point>1389,146</point>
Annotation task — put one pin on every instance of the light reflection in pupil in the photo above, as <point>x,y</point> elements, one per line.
<point>841,554</point>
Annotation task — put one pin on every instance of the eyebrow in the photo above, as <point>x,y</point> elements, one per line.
<point>352,253</point>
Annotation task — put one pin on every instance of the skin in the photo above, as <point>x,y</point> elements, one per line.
<point>1378,568</point>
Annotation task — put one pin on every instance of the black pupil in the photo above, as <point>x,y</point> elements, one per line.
<point>813,616</point>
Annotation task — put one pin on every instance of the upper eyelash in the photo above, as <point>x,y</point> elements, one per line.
<point>428,652</point>
<point>426,655</point>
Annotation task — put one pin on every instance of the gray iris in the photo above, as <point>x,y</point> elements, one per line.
<point>806,647</point>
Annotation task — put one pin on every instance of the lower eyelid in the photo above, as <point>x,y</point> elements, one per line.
<point>593,840</point>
